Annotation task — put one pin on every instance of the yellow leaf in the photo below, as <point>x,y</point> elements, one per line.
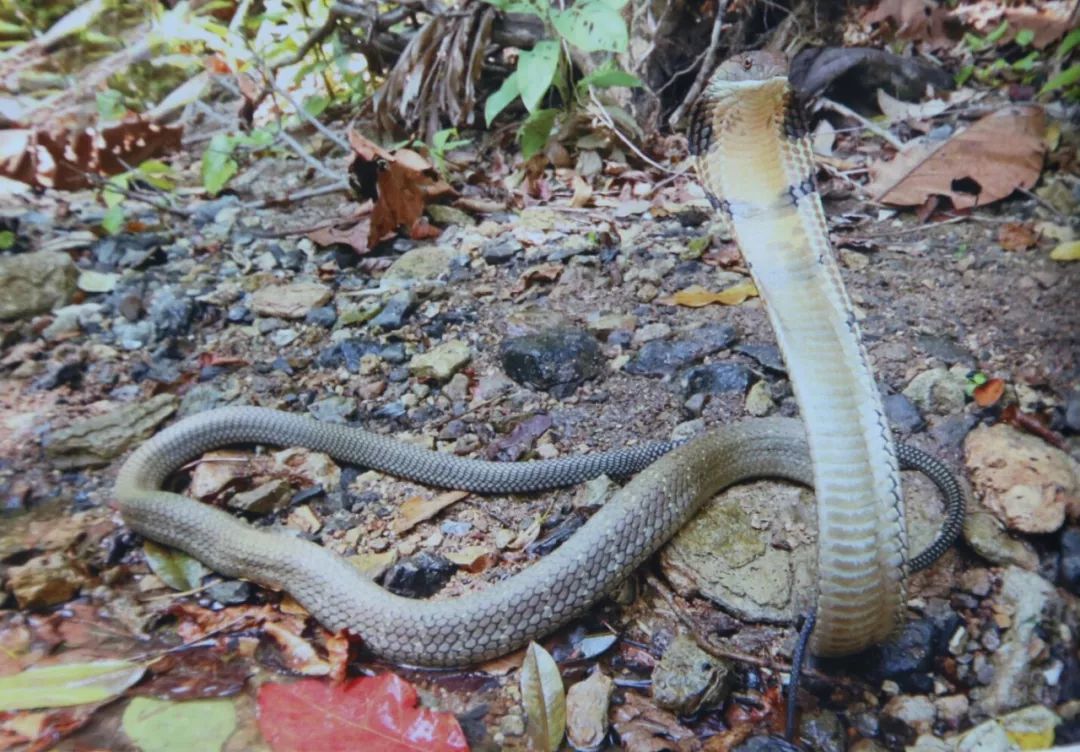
<point>1067,251</point>
<point>544,699</point>
<point>67,684</point>
<point>697,296</point>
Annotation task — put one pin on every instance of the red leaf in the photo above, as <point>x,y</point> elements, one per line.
<point>988,393</point>
<point>378,713</point>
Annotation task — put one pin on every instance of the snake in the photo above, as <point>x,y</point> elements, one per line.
<point>840,447</point>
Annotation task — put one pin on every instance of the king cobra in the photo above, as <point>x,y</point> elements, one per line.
<point>771,201</point>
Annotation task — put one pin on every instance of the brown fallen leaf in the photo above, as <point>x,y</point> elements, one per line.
<point>474,559</point>
<point>697,296</point>
<point>989,392</point>
<point>417,509</point>
<point>981,164</point>
<point>582,193</point>
<point>643,727</point>
<point>539,273</point>
<point>1017,236</point>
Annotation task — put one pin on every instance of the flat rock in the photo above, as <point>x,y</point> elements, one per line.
<point>290,301</point>
<point>424,264</point>
<point>1024,481</point>
<point>727,552</point>
<point>45,581</point>
<point>34,283</point>
<point>441,362</point>
<point>98,440</point>
<point>940,391</point>
<point>558,360</point>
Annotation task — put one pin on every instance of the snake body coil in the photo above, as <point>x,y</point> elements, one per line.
<point>759,172</point>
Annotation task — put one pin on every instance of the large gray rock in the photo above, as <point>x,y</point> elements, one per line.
<point>34,283</point>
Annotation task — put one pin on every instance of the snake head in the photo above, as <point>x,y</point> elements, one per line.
<point>759,65</point>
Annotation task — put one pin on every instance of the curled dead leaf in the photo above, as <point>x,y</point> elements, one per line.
<point>697,296</point>
<point>981,164</point>
<point>543,698</point>
<point>418,509</point>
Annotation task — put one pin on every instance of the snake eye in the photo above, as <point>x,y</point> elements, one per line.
<point>747,64</point>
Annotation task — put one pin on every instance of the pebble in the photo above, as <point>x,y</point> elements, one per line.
<point>324,316</point>
<point>133,336</point>
<point>441,362</point>
<point>665,357</point>
<point>902,414</point>
<point>35,283</point>
<point>272,496</point>
<point>172,312</point>
<point>717,378</point>
<point>289,301</point>
<point>423,264</point>
<point>397,308</point>
<point>336,409</point>
<point>501,250</point>
<point>419,576</point>
<point>907,658</point>
<point>558,360</point>
<point>941,391</point>
<point>284,337</point>
<point>904,717</point>
<point>1072,412</point>
<point>759,402</point>
<point>1069,563</point>
<point>822,731</point>
<point>229,592</point>
<point>650,332</point>
<point>587,705</point>
<point>767,356</point>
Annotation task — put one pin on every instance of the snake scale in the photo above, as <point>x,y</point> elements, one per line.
<point>845,451</point>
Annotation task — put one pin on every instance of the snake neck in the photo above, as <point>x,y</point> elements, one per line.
<point>758,166</point>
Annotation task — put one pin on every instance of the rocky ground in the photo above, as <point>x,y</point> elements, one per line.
<point>538,333</point>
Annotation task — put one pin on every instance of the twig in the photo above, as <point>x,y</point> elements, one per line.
<point>322,190</point>
<point>706,67</point>
<point>869,125</point>
<point>1043,203</point>
<point>908,230</point>
<point>303,114</point>
<point>606,119</point>
<point>316,37</point>
<point>315,164</point>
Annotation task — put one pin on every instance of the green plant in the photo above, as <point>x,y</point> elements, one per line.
<point>442,142</point>
<point>152,172</point>
<point>219,163</point>
<point>590,26</point>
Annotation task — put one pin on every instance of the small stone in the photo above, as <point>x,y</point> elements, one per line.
<point>324,316</point>
<point>272,496</point>
<point>424,264</point>
<point>902,414</point>
<point>940,391</point>
<point>759,402</point>
<point>951,709</point>
<point>559,360</point>
<point>441,362</point>
<point>444,215</point>
<point>976,581</point>
<point>587,705</point>
<point>687,679</point>
<point>650,332</point>
<point>45,581</point>
<point>284,337</point>
<point>647,292</point>
<point>984,533</point>
<point>35,283</point>
<point>393,313</point>
<point>289,301</point>
<point>501,250</point>
<point>1027,483</point>
<point>603,324</point>
<point>1072,412</point>
<point>907,716</point>
<point>1069,563</point>
<point>717,378</point>
<point>336,409</point>
<point>419,576</point>
<point>133,336</point>
<point>907,658</point>
<point>229,592</point>
<point>768,356</point>
<point>822,731</point>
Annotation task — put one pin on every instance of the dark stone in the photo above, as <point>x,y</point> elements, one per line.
<point>501,250</point>
<point>822,731</point>
<point>229,592</point>
<point>205,213</point>
<point>239,314</point>
<point>393,352</point>
<point>767,356</point>
<point>766,744</point>
<point>171,312</point>
<point>717,378</point>
<point>902,414</point>
<point>397,308</point>
<point>944,349</point>
<point>664,358</point>
<point>324,317</point>
<point>1072,412</point>
<point>419,576</point>
<point>907,658</point>
<point>348,353</point>
<point>950,432</point>
<point>306,494</point>
<point>557,361</point>
<point>1069,566</point>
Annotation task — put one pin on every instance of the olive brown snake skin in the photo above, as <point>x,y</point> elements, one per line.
<point>760,174</point>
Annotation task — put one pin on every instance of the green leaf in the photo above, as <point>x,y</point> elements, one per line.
<point>160,726</point>
<point>315,105</point>
<point>218,166</point>
<point>995,36</point>
<point>1067,77</point>
<point>114,189</point>
<point>1024,37</point>
<point>7,239</point>
<point>498,101</point>
<point>67,684</point>
<point>964,74</point>
<point>608,76</point>
<point>110,105</point>
<point>1027,62</point>
<point>592,26</point>
<point>1071,40</point>
<point>535,70</point>
<point>535,131</point>
<point>113,221</point>
<point>176,569</point>
<point>532,7</point>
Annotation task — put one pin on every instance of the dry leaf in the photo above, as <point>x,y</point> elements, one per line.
<point>1066,251</point>
<point>1017,236</point>
<point>543,698</point>
<point>582,193</point>
<point>539,273</point>
<point>587,711</point>
<point>697,296</point>
<point>989,392</point>
<point>417,509</point>
<point>981,164</point>
<point>474,559</point>
<point>526,536</point>
<point>643,727</point>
